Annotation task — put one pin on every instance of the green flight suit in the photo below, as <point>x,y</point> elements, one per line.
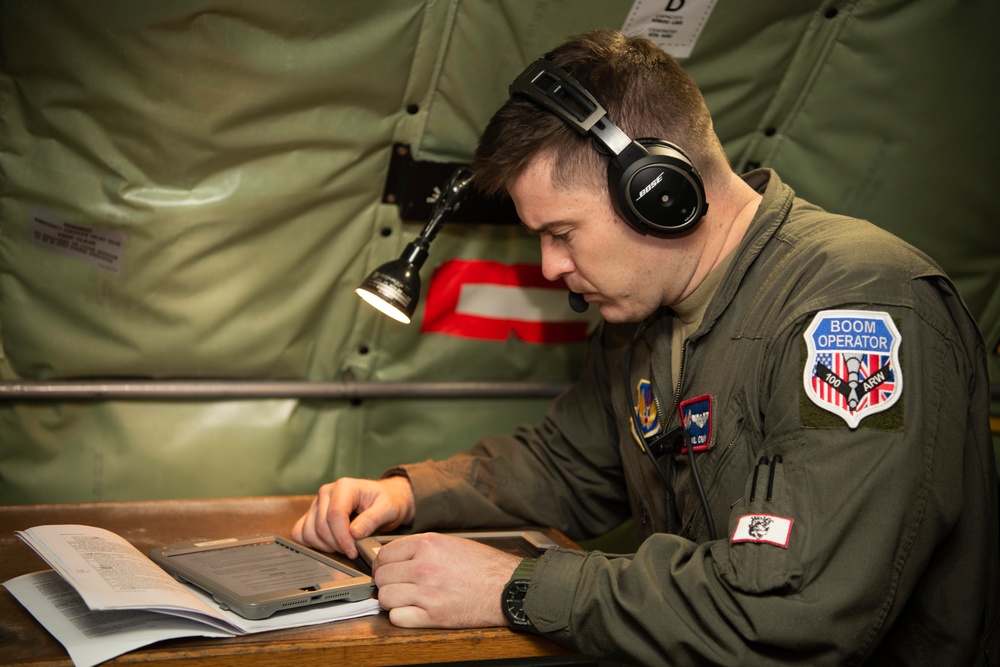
<point>890,554</point>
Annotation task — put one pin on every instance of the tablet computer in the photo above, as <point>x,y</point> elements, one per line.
<point>524,543</point>
<point>258,575</point>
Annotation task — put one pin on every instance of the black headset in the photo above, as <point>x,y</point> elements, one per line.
<point>653,184</point>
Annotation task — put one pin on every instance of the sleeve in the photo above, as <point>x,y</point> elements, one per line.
<point>565,472</point>
<point>870,511</point>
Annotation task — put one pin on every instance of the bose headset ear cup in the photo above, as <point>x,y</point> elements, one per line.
<point>660,193</point>
<point>652,183</point>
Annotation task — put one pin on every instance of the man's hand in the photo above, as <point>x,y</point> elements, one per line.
<point>441,581</point>
<point>378,504</point>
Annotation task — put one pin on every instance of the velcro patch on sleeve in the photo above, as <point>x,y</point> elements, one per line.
<point>763,529</point>
<point>852,363</point>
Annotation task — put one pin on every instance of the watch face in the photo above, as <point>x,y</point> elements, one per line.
<point>513,602</point>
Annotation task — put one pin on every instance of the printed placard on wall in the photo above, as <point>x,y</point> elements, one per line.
<point>102,248</point>
<point>673,25</point>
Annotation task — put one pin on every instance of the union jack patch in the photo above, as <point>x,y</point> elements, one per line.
<point>852,366</point>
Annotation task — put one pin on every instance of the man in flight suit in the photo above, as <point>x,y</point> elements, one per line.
<point>791,404</point>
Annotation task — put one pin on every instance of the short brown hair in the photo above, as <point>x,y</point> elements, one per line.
<point>642,88</point>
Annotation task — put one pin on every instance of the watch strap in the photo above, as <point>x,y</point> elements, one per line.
<point>512,598</point>
<point>524,570</point>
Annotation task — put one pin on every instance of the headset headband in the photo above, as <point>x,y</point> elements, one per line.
<point>554,89</point>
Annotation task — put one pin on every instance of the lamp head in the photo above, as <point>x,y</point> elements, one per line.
<point>394,287</point>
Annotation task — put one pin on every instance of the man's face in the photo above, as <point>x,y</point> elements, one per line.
<point>585,242</point>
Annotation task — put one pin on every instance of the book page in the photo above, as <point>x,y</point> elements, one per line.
<point>92,637</point>
<point>110,573</point>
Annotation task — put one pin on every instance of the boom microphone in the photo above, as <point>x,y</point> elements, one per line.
<point>578,303</point>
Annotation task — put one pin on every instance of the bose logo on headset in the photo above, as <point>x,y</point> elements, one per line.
<point>645,190</point>
<point>637,167</point>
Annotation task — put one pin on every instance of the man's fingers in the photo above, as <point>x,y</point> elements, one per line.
<point>324,525</point>
<point>441,581</point>
<point>365,524</point>
<point>304,530</point>
<point>411,617</point>
<point>298,528</point>
<point>341,503</point>
<point>399,594</point>
<point>349,509</point>
<point>406,602</point>
<point>401,549</point>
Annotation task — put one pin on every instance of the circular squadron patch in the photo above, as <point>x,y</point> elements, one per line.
<point>852,365</point>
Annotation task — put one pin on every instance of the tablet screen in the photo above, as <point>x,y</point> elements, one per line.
<point>263,567</point>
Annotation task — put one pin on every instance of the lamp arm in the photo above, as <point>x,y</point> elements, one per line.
<point>447,203</point>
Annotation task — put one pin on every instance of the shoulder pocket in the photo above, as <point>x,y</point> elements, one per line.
<point>761,551</point>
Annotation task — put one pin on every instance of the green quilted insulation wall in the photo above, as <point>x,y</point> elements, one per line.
<point>233,155</point>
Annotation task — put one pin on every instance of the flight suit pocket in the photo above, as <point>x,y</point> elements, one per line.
<point>760,553</point>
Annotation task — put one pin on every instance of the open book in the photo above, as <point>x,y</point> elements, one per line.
<point>105,598</point>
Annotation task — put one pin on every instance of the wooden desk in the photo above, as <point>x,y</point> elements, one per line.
<point>371,640</point>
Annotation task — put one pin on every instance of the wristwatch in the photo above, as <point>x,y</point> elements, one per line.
<point>512,599</point>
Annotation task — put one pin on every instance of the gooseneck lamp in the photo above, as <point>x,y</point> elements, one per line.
<point>394,287</point>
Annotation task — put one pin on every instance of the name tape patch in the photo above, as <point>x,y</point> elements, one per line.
<point>763,529</point>
<point>852,365</point>
<point>696,415</point>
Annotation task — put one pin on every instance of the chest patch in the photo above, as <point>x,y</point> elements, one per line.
<point>646,412</point>
<point>852,363</point>
<point>696,415</point>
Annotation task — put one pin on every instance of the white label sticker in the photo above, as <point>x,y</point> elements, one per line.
<point>98,247</point>
<point>673,25</point>
<point>763,529</point>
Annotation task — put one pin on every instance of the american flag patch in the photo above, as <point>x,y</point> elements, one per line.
<point>852,366</point>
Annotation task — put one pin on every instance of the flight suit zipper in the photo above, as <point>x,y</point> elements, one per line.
<point>677,390</point>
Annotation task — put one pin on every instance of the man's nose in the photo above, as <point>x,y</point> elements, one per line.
<point>556,262</point>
